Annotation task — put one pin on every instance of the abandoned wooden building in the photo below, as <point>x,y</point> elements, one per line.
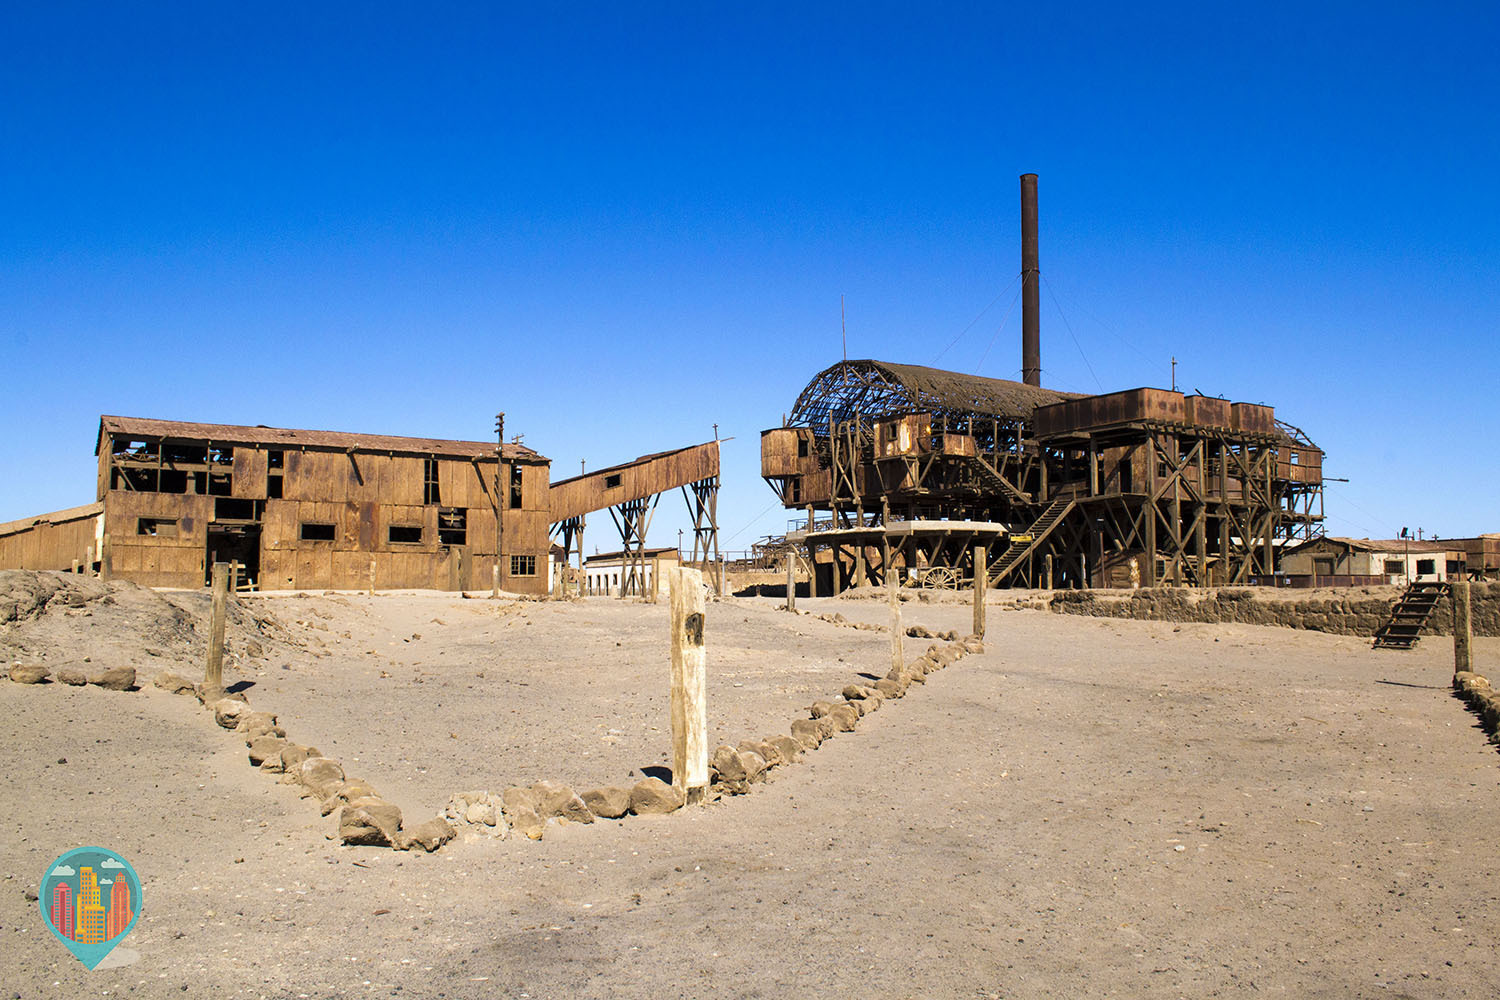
<point>923,472</point>
<point>299,509</point>
<point>912,467</point>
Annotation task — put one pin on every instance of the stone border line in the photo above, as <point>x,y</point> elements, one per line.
<point>1474,689</point>
<point>367,819</point>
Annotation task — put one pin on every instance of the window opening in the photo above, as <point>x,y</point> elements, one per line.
<point>233,509</point>
<point>523,565</point>
<point>515,485</point>
<point>275,462</point>
<point>404,534</point>
<point>1394,567</point>
<point>1426,567</point>
<point>610,482</point>
<point>315,532</point>
<point>430,492</point>
<point>453,526</point>
<point>157,527</point>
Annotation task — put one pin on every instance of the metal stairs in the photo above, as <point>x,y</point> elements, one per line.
<point>1024,544</point>
<point>1410,614</point>
<point>987,473</point>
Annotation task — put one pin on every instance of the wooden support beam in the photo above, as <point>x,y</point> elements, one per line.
<point>213,671</point>
<point>791,580</point>
<point>898,659</point>
<point>689,694</point>
<point>981,582</point>
<point>1463,627</point>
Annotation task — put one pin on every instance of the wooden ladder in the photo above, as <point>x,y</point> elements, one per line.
<point>1404,627</point>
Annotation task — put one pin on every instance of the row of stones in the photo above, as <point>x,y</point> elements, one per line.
<point>527,811</point>
<point>1361,616</point>
<point>364,817</point>
<point>112,678</point>
<point>1481,698</point>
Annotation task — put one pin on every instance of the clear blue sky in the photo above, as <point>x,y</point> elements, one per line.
<point>625,223</point>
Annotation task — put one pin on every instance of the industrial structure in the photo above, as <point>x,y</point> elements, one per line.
<point>298,509</point>
<point>906,468</point>
<point>302,509</point>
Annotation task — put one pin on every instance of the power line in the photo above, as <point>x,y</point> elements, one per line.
<point>1069,328</point>
<point>976,319</point>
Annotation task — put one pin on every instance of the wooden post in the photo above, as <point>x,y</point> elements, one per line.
<point>1047,571</point>
<point>213,673</point>
<point>791,580</point>
<point>689,697</point>
<point>104,554</point>
<point>1463,627</point>
<point>74,569</point>
<point>898,659</point>
<point>812,571</point>
<point>372,577</point>
<point>860,580</point>
<point>234,576</point>
<point>981,584</point>
<point>495,584</point>
<point>655,577</point>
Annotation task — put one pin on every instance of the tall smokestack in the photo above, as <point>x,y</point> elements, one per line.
<point>1031,334</point>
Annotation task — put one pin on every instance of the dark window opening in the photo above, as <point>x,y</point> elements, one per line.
<point>802,447</point>
<point>218,455</point>
<point>200,483</point>
<point>1293,458</point>
<point>157,527</point>
<point>515,485</point>
<point>796,485</point>
<point>453,526</point>
<point>273,487</point>
<point>314,532</point>
<point>1426,567</point>
<point>184,454</point>
<point>430,492</point>
<point>523,565</point>
<point>1394,567</point>
<point>136,449</point>
<point>220,484</point>
<point>275,459</point>
<point>172,481</point>
<point>136,480</point>
<point>404,534</point>
<point>610,482</point>
<point>230,509</point>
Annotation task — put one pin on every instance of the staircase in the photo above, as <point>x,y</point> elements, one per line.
<point>1411,612</point>
<point>1022,545</point>
<point>988,474</point>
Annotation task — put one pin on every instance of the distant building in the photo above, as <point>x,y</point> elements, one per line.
<point>1355,562</point>
<point>605,574</point>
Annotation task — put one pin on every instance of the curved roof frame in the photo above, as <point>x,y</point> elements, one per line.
<point>874,389</point>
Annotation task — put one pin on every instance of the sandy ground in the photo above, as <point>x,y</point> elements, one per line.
<point>1091,807</point>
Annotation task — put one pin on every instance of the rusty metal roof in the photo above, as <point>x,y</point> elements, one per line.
<point>142,427</point>
<point>881,388</point>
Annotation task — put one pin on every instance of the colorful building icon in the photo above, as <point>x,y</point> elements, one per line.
<point>120,914</point>
<point>90,898</point>
<point>62,909</point>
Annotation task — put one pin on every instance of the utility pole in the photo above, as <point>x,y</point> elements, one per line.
<point>498,496</point>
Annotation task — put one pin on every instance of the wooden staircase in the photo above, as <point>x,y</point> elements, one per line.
<point>988,474</point>
<point>1022,545</point>
<point>1410,614</point>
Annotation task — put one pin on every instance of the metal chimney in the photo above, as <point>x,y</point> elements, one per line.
<point>1031,335</point>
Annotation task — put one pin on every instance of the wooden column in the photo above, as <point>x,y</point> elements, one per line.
<point>372,577</point>
<point>104,557</point>
<point>812,571</point>
<point>689,696</point>
<point>1047,571</point>
<point>791,580</point>
<point>981,585</point>
<point>655,576</point>
<point>859,566</point>
<point>1463,627</point>
<point>898,660</point>
<point>213,671</point>
<point>495,578</point>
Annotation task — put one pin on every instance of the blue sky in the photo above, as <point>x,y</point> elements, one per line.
<point>623,224</point>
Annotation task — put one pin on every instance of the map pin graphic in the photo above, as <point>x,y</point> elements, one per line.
<point>90,899</point>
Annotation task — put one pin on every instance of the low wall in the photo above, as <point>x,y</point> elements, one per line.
<point>1356,611</point>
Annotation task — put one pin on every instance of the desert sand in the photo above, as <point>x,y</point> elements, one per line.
<point>1090,807</point>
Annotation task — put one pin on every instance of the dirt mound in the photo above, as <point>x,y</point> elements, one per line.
<point>60,619</point>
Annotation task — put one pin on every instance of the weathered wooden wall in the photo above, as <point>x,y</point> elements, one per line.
<point>644,477</point>
<point>51,541</point>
